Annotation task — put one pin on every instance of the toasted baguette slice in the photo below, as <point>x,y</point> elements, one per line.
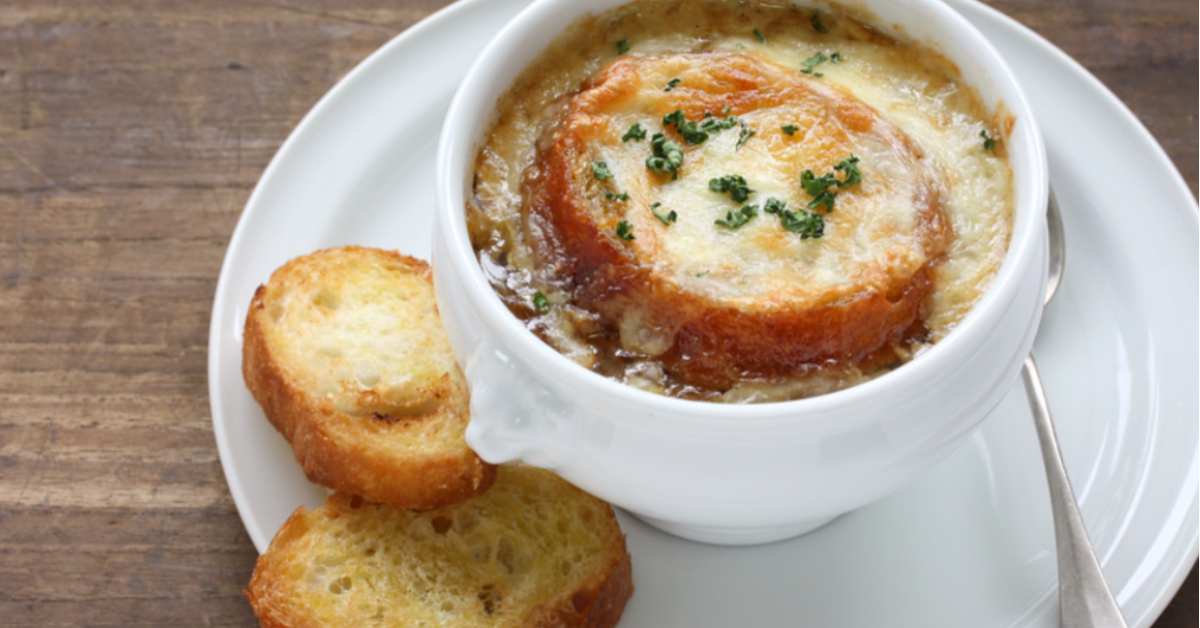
<point>532,552</point>
<point>345,351</point>
<point>719,303</point>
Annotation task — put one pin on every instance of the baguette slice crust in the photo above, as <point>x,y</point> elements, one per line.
<point>532,552</point>
<point>345,352</point>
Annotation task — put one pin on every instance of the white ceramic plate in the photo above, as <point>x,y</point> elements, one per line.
<point>968,544</point>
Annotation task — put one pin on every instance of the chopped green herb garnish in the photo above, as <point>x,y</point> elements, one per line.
<point>818,188</point>
<point>725,110</point>
<point>806,223</point>
<point>989,142</point>
<point>816,23</point>
<point>600,171</point>
<point>746,134</point>
<point>666,218</point>
<point>824,198</point>
<point>813,184</point>
<point>625,230</point>
<point>812,62</point>
<point>836,57</point>
<point>635,132</point>
<point>759,37</point>
<point>734,184</point>
<point>623,46</point>
<point>738,217</point>
<point>697,132</point>
<point>541,302</point>
<point>672,83</point>
<point>713,125</point>
<point>790,129</point>
<point>667,156</point>
<point>824,187</point>
<point>623,196</point>
<point>848,167</point>
<point>690,130</point>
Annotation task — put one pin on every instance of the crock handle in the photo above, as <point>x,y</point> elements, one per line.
<point>514,416</point>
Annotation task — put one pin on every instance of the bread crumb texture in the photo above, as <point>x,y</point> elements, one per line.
<point>345,351</point>
<point>532,551</point>
<point>360,328</point>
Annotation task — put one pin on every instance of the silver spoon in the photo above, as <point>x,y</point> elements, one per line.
<point>1084,598</point>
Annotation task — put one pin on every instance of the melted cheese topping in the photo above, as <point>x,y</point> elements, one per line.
<point>917,132</point>
<point>875,240</point>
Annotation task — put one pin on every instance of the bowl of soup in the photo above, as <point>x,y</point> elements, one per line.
<point>738,267</point>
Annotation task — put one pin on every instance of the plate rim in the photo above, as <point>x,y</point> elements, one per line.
<point>1185,209</point>
<point>222,292</point>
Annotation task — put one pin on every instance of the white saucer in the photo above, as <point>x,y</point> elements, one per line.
<point>968,544</point>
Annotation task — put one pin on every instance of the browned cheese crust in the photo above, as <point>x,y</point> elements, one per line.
<point>411,456</point>
<point>718,338</point>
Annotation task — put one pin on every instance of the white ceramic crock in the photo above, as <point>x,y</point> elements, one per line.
<point>714,472</point>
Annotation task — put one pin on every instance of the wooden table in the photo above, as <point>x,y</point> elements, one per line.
<point>131,134</point>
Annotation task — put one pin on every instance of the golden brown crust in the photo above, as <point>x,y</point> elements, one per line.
<point>719,341</point>
<point>269,592</point>
<point>351,453</point>
<point>290,587</point>
<point>599,601</point>
<point>606,607</point>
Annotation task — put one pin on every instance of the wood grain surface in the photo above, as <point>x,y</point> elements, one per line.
<point>131,135</point>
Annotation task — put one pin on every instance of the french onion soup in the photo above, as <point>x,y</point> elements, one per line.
<point>740,202</point>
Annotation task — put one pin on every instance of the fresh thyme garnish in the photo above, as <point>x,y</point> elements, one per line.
<point>625,230</point>
<point>672,83</point>
<point>623,46</point>
<point>812,62</point>
<point>759,36</point>
<point>635,132</point>
<point>738,217</point>
<point>734,184</point>
<point>835,57</point>
<point>541,302</point>
<point>600,171</point>
<point>989,142</point>
<point>808,224</point>
<point>790,129</point>
<point>666,218</point>
<point>623,196</point>
<point>667,156</point>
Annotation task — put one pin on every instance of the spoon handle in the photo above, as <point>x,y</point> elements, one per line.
<point>1084,598</point>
